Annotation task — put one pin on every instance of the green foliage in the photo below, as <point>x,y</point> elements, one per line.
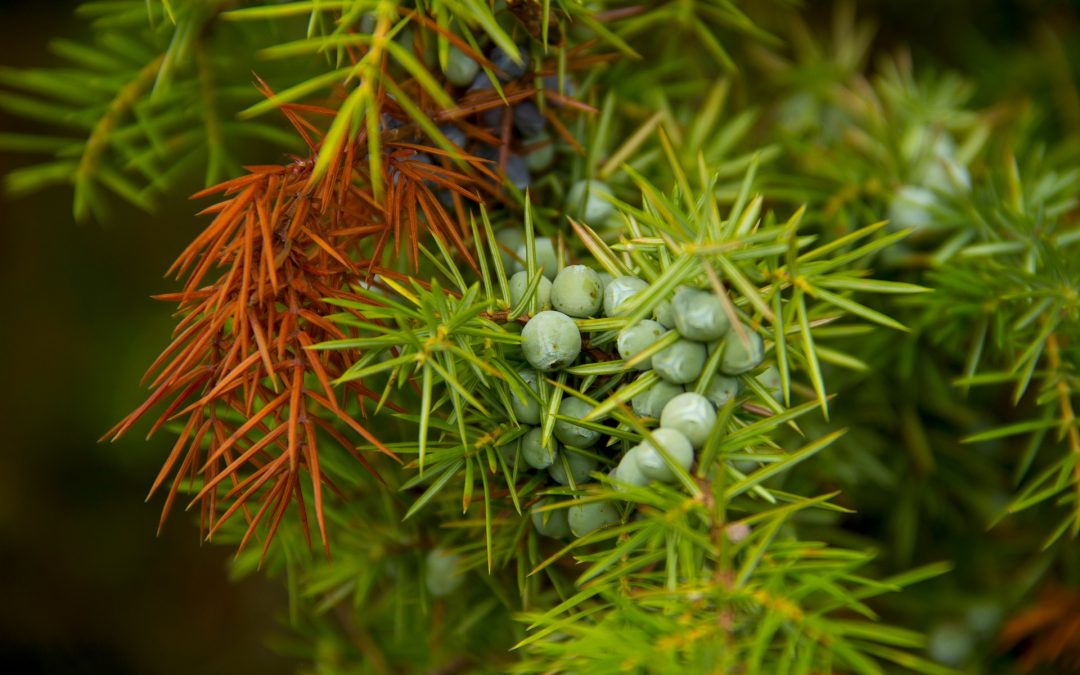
<point>674,571</point>
<point>151,101</point>
<point>985,385</point>
<point>906,251</point>
<point>1015,287</point>
<point>993,212</point>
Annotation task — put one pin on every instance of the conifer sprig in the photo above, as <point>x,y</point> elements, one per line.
<point>125,101</point>
<point>459,347</point>
<point>1018,284</point>
<point>357,302</point>
<point>149,103</point>
<point>240,373</point>
<point>994,218</point>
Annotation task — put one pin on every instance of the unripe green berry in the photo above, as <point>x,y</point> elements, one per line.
<point>460,69</point>
<point>509,451</point>
<point>638,338</point>
<point>945,172</point>
<point>542,153</point>
<point>951,643</point>
<point>915,207</point>
<point>681,362</point>
<point>665,314</point>
<point>605,279</point>
<point>619,291</point>
<point>651,402</point>
<point>628,472</point>
<point>510,239</point>
<point>550,340</point>
<point>721,389</point>
<point>580,468</point>
<point>742,355</point>
<point>536,455</point>
<point>442,572</point>
<point>940,170</point>
<point>586,518</point>
<point>577,291</point>
<point>652,464</point>
<point>692,415</point>
<point>551,523</point>
<point>570,433</point>
<point>770,379</point>
<point>519,283</point>
<point>527,410</point>
<point>699,315</point>
<point>584,201</point>
<point>546,259</point>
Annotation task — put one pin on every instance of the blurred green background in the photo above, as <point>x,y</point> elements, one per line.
<point>85,585</point>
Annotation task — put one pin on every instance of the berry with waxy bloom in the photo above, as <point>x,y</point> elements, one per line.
<point>512,68</point>
<point>480,83</point>
<point>721,389</point>
<point>585,200</point>
<point>550,340</point>
<point>527,409</point>
<point>460,69</point>
<point>540,152</point>
<point>638,338</point>
<point>651,402</point>
<point>442,572</point>
<point>770,379</point>
<point>519,283</point>
<point>664,313</point>
<point>577,291</point>
<point>517,172</point>
<point>528,119</point>
<point>628,472</point>
<point>552,523</point>
<point>743,351</point>
<point>546,258</point>
<point>509,240</point>
<point>535,454</point>
<point>454,134</point>
<point>681,362</point>
<point>619,291</point>
<point>551,82</point>
<point>574,434</point>
<point>914,207</point>
<point>510,451</point>
<point>692,415</point>
<point>652,464</point>
<point>589,517</point>
<point>580,468</point>
<point>699,315</point>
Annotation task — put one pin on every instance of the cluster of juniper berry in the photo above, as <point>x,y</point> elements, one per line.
<point>551,341</point>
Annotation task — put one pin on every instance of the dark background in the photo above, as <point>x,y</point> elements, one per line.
<point>85,586</point>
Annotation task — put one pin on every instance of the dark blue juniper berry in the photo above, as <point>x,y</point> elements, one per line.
<point>517,171</point>
<point>454,134</point>
<point>528,119</point>
<point>507,65</point>
<point>480,83</point>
